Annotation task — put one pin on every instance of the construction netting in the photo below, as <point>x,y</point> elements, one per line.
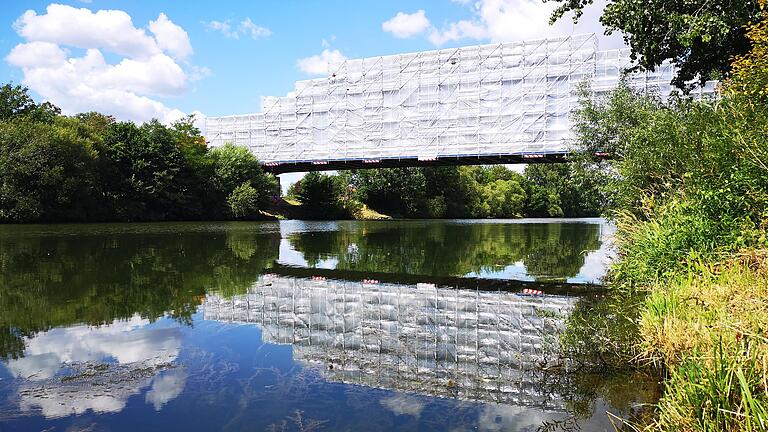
<point>468,344</point>
<point>500,99</point>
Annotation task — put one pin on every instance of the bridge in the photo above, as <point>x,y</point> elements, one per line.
<point>486,104</point>
<point>470,344</point>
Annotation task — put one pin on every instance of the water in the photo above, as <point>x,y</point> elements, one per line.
<point>412,325</point>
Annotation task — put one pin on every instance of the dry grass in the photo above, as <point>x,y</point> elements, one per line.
<point>367,213</point>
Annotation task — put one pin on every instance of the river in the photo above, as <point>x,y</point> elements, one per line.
<point>290,325</point>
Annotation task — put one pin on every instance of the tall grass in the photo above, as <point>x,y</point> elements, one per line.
<point>710,327</point>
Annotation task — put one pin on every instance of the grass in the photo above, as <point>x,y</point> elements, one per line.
<point>367,213</point>
<point>709,327</point>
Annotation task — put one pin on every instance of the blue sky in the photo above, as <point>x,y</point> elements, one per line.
<point>220,58</point>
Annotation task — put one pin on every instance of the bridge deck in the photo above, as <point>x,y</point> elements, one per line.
<point>412,161</point>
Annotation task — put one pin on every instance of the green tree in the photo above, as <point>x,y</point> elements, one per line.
<point>503,199</point>
<point>139,169</point>
<point>200,199</point>
<point>46,173</point>
<point>565,190</point>
<point>322,196</point>
<point>700,36</point>
<point>750,71</point>
<point>15,101</point>
<point>395,191</point>
<point>243,202</point>
<point>234,166</point>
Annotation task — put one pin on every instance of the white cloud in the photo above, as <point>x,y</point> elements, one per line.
<point>405,25</point>
<point>499,21</point>
<point>318,64</point>
<point>170,37</point>
<point>256,31</point>
<point>89,83</point>
<point>246,27</point>
<point>503,21</point>
<point>223,27</point>
<point>326,43</point>
<point>199,72</point>
<point>111,30</point>
<point>459,30</point>
<point>37,54</point>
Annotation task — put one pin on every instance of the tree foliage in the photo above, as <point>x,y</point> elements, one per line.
<point>689,179</point>
<point>573,190</point>
<point>700,36</point>
<point>750,71</point>
<point>243,201</point>
<point>324,196</point>
<point>90,167</point>
<point>15,102</point>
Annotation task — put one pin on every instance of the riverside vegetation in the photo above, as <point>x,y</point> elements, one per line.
<point>89,167</point>
<point>689,194</point>
<point>558,190</point>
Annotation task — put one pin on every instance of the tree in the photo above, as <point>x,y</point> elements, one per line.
<point>750,71</point>
<point>503,199</point>
<point>139,169</point>
<point>322,196</point>
<point>234,166</point>
<point>243,202</point>
<point>396,191</point>
<point>459,188</point>
<point>700,36</point>
<point>557,190</point>
<point>46,173</point>
<point>15,101</point>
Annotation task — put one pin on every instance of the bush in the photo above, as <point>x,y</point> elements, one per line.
<point>690,182</point>
<point>243,201</point>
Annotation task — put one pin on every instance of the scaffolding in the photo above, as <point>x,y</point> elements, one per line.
<point>501,99</point>
<point>468,344</point>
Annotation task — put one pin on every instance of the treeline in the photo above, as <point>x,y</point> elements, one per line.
<point>90,167</point>
<point>556,190</point>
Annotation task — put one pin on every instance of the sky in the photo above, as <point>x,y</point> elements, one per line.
<point>144,59</point>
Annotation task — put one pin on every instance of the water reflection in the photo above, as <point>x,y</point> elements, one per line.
<point>71,370</point>
<point>98,275</point>
<point>532,251</point>
<point>476,345</point>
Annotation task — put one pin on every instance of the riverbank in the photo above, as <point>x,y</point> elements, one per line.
<point>289,208</point>
<point>709,328</point>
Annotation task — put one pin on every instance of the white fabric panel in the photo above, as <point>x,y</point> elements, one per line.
<point>504,98</point>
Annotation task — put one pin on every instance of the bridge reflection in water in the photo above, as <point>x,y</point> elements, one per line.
<point>489,346</point>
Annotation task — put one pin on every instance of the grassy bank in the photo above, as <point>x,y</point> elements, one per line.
<point>709,327</point>
<point>690,198</point>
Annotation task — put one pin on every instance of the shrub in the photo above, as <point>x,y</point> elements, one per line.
<point>243,202</point>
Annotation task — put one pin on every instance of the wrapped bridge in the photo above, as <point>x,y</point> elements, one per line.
<point>499,103</point>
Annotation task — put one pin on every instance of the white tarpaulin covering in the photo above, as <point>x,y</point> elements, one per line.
<point>500,99</point>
